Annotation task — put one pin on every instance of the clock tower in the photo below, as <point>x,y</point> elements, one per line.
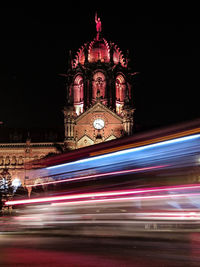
<point>99,104</point>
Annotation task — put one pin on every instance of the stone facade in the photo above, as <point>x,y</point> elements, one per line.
<point>15,156</point>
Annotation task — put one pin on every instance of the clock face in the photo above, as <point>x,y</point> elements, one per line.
<point>99,124</point>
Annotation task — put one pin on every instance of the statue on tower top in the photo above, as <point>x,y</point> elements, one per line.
<point>98,25</point>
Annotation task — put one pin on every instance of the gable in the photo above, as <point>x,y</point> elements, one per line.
<point>84,141</point>
<point>99,108</point>
<point>84,124</point>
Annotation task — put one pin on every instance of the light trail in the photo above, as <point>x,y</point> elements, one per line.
<point>99,175</point>
<point>103,194</point>
<point>122,199</point>
<point>129,150</point>
<point>148,142</point>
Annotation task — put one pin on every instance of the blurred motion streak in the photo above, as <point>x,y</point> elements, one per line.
<point>99,175</point>
<point>172,137</point>
<point>144,183</point>
<point>179,152</point>
<point>109,194</point>
<point>123,199</point>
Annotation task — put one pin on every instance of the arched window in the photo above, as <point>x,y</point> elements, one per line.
<point>13,160</point>
<point>7,160</point>
<point>20,160</point>
<point>98,85</point>
<point>120,86</point>
<point>78,89</point>
<point>78,94</point>
<point>120,89</point>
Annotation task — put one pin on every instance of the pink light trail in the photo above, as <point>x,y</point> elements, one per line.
<point>106,194</point>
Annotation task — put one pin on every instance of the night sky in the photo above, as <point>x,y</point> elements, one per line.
<point>164,49</point>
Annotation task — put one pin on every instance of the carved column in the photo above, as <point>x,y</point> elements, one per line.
<point>69,121</point>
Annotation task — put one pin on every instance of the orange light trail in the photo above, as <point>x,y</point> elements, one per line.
<point>147,142</point>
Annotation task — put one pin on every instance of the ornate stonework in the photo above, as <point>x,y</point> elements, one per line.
<point>99,93</point>
<point>15,156</point>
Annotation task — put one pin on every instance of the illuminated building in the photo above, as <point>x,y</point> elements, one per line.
<point>99,94</point>
<point>99,106</point>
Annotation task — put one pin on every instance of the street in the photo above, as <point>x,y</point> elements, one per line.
<point>167,249</point>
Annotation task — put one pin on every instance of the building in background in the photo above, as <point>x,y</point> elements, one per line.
<point>17,149</point>
<point>99,108</point>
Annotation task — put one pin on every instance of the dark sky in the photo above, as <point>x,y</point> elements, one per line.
<point>34,45</point>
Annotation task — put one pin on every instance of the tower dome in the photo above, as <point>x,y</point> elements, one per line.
<point>99,50</point>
